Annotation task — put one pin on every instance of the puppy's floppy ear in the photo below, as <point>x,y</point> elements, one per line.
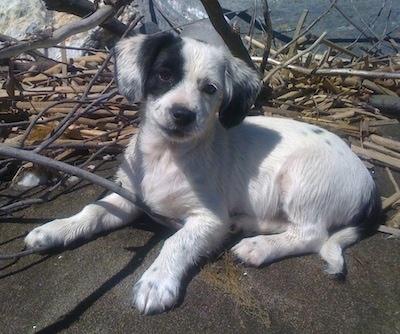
<point>134,57</point>
<point>242,87</point>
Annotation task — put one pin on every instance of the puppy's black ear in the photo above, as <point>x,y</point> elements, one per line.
<point>134,57</point>
<point>242,87</point>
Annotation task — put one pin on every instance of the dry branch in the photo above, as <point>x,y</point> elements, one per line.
<point>391,161</point>
<point>60,34</point>
<point>389,230</point>
<point>25,155</point>
<point>231,39</point>
<point>294,58</point>
<point>269,31</point>
<point>333,71</point>
<point>84,8</point>
<point>386,142</point>
<point>59,114</point>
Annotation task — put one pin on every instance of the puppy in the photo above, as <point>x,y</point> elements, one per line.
<point>291,188</point>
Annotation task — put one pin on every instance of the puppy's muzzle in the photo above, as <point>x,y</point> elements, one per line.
<point>182,116</point>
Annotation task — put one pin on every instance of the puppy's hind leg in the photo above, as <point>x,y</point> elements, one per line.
<point>263,249</point>
<point>111,212</point>
<point>250,226</point>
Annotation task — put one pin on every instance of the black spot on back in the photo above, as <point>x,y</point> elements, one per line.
<point>317,131</point>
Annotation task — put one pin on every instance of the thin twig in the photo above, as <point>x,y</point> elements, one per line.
<point>19,204</point>
<point>231,39</point>
<point>334,71</point>
<point>306,30</point>
<point>71,118</point>
<point>292,49</point>
<point>294,58</point>
<point>392,179</point>
<point>26,252</point>
<point>389,230</point>
<point>25,155</point>
<point>60,34</point>
<point>269,31</point>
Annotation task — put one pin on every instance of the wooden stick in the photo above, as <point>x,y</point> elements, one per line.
<point>25,155</point>
<point>386,142</point>
<point>394,221</point>
<point>294,58</point>
<point>389,230</point>
<point>334,71</point>
<point>231,39</point>
<point>358,111</point>
<point>42,104</point>
<point>259,45</point>
<point>60,34</point>
<point>99,57</point>
<point>376,156</point>
<point>378,88</point>
<point>391,177</point>
<point>388,202</point>
<point>52,90</point>
<point>342,115</point>
<point>381,149</point>
<point>296,34</point>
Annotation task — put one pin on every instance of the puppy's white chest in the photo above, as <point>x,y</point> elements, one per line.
<point>165,188</point>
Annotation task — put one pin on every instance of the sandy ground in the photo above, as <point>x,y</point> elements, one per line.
<point>87,289</point>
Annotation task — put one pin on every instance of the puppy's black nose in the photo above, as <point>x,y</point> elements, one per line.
<point>183,116</point>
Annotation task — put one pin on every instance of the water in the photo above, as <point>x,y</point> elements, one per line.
<point>375,18</point>
<point>21,18</point>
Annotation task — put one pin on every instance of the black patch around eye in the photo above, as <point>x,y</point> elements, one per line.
<point>165,75</point>
<point>210,89</point>
<point>166,72</point>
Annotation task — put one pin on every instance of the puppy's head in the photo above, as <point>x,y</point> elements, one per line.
<point>185,83</point>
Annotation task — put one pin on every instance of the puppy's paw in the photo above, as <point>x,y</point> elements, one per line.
<point>250,251</point>
<point>155,292</point>
<point>56,233</point>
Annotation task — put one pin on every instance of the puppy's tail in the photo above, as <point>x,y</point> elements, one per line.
<point>364,224</point>
<point>332,250</point>
<point>373,216</point>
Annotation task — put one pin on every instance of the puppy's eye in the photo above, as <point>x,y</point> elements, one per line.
<point>165,76</point>
<point>210,89</point>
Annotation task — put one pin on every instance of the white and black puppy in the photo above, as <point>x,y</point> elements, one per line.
<point>292,188</point>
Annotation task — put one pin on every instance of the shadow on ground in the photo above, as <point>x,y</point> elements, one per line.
<point>87,289</point>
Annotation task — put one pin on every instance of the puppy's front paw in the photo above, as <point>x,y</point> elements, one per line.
<point>53,234</point>
<point>156,292</point>
<point>250,251</point>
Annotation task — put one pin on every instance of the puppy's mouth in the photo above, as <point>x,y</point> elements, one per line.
<point>177,132</point>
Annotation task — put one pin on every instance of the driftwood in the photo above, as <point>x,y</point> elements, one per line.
<point>84,8</point>
<point>60,34</point>
<point>51,163</point>
<point>292,59</point>
<point>391,161</point>
<point>391,102</point>
<point>386,142</point>
<point>231,39</point>
<point>59,111</point>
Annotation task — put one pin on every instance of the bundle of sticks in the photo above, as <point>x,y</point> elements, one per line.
<point>73,106</point>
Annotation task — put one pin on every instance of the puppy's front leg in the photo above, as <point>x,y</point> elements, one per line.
<point>108,213</point>
<point>159,287</point>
